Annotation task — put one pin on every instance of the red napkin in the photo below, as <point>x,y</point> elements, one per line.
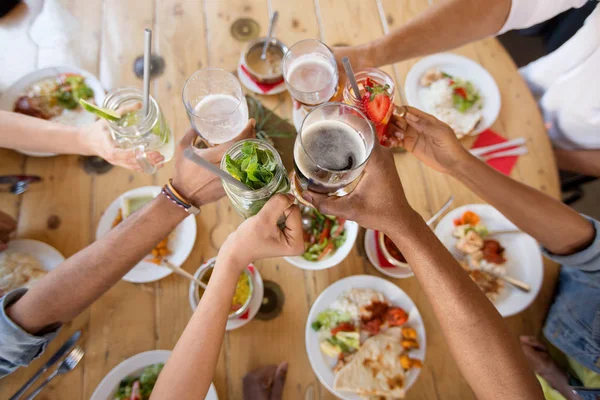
<point>247,313</point>
<point>502,164</point>
<point>383,262</point>
<point>264,87</point>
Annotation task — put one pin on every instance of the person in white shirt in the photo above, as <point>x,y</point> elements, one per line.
<point>566,81</point>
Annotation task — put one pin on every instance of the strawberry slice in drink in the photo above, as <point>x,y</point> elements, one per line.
<point>377,104</point>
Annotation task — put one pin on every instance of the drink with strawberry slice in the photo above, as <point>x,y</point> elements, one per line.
<point>377,92</point>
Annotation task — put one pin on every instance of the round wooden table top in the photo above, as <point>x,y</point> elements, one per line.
<point>65,208</point>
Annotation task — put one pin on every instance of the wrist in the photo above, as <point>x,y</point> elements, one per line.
<point>170,207</point>
<point>402,220</point>
<point>464,165</point>
<point>228,254</point>
<point>83,142</point>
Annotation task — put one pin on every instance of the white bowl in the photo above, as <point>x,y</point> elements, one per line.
<point>333,260</point>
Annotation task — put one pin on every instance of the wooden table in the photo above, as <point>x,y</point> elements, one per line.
<point>190,34</point>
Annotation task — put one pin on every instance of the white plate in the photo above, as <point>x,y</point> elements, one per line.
<point>47,255</point>
<point>10,96</point>
<point>371,250</point>
<point>255,303</point>
<point>333,260</point>
<point>463,68</point>
<point>523,255</point>
<point>322,364</point>
<point>131,367</point>
<point>253,87</point>
<point>181,240</point>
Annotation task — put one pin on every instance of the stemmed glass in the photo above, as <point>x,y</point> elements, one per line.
<point>215,105</point>
<point>311,76</point>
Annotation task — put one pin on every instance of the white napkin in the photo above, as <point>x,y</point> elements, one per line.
<point>54,31</point>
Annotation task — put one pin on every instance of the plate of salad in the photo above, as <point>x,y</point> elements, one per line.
<point>456,90</point>
<point>327,240</point>
<point>53,94</point>
<point>134,378</point>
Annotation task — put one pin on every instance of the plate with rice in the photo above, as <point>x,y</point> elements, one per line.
<point>456,90</point>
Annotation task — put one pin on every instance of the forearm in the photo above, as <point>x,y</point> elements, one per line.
<point>21,132</point>
<point>84,277</point>
<point>190,369</point>
<point>443,26</point>
<point>585,162</point>
<point>488,356</point>
<point>559,228</point>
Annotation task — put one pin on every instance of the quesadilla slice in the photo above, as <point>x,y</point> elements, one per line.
<point>375,369</point>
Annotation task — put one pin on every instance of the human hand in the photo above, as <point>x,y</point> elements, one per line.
<point>429,139</point>
<point>377,200</point>
<point>192,181</point>
<point>262,236</point>
<point>7,226</point>
<point>97,140</point>
<point>359,57</point>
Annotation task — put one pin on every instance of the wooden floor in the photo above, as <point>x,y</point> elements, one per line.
<point>191,34</point>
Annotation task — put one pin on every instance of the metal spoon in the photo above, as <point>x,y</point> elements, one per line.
<point>272,21</point>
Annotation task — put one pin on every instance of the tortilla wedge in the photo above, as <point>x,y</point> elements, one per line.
<point>375,369</point>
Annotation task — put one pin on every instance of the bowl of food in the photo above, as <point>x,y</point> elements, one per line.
<point>327,240</point>
<point>243,291</point>
<point>268,70</point>
<point>391,253</point>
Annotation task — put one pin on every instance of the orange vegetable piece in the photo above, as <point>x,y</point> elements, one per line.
<point>469,217</point>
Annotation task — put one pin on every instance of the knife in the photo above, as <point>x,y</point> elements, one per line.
<point>64,349</point>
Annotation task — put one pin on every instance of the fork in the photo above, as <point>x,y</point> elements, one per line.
<point>67,365</point>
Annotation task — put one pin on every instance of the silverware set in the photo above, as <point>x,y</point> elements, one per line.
<point>74,356</point>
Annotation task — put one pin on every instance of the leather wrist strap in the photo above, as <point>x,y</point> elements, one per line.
<point>171,193</point>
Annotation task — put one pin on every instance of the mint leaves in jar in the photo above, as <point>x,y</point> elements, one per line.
<point>255,168</point>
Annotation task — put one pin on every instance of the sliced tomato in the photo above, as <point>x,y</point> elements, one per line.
<point>343,327</point>
<point>461,92</point>
<point>328,249</point>
<point>396,316</point>
<point>326,231</point>
<point>458,222</point>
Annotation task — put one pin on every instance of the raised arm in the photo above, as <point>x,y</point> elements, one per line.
<point>22,132</point>
<point>84,277</point>
<point>559,228</point>
<point>190,369</point>
<point>491,359</point>
<point>449,24</point>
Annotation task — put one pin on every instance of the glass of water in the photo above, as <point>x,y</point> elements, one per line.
<point>215,105</point>
<point>310,72</point>
<point>144,133</point>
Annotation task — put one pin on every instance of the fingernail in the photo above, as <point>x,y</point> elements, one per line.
<point>253,122</point>
<point>307,197</point>
<point>412,118</point>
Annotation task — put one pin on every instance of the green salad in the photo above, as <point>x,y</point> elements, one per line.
<point>139,388</point>
<point>71,88</point>
<point>323,234</point>
<point>464,93</point>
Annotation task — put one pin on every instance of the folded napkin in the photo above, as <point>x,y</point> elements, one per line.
<point>383,262</point>
<point>502,164</point>
<point>265,383</point>
<point>264,87</point>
